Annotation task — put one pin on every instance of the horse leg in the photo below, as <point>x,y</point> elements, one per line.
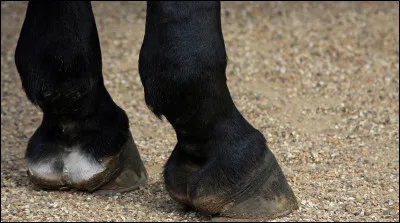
<point>84,141</point>
<point>221,164</point>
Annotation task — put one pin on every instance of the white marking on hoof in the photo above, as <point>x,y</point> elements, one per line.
<point>80,167</point>
<point>44,170</point>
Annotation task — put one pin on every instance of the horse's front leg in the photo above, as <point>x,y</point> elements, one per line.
<point>84,141</point>
<point>221,164</point>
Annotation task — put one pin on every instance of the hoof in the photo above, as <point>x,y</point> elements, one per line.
<point>244,183</point>
<point>71,170</point>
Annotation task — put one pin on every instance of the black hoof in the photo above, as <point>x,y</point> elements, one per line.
<point>232,175</point>
<point>76,169</point>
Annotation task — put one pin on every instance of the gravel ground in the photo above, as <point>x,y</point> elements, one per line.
<point>319,80</point>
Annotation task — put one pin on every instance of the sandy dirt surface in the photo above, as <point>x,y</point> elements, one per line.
<point>319,80</point>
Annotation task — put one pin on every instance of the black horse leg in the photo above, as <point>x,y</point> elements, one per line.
<point>84,141</point>
<point>221,164</point>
